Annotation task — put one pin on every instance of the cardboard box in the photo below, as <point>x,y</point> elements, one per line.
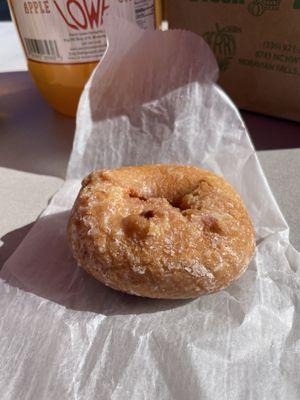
<point>257,45</point>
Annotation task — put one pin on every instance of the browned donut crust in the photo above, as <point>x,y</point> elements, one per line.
<point>161,231</point>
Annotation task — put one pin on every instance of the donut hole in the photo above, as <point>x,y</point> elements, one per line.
<point>179,199</point>
<point>177,203</point>
<point>193,200</point>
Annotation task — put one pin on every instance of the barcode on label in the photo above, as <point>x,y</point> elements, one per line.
<point>142,12</point>
<point>37,47</point>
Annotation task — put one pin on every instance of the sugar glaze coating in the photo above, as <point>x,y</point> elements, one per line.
<point>161,231</point>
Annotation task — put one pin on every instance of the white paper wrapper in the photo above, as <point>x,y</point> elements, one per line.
<point>66,336</point>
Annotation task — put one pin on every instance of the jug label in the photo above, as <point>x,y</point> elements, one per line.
<point>70,31</point>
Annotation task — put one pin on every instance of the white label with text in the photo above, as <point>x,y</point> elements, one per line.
<point>70,31</point>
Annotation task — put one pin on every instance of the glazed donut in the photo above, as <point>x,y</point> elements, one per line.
<point>161,231</point>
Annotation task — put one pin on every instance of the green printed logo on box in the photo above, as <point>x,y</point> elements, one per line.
<point>222,43</point>
<point>256,43</point>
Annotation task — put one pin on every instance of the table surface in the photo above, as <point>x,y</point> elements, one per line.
<point>35,144</point>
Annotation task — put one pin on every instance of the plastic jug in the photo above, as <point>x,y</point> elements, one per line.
<point>64,40</point>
